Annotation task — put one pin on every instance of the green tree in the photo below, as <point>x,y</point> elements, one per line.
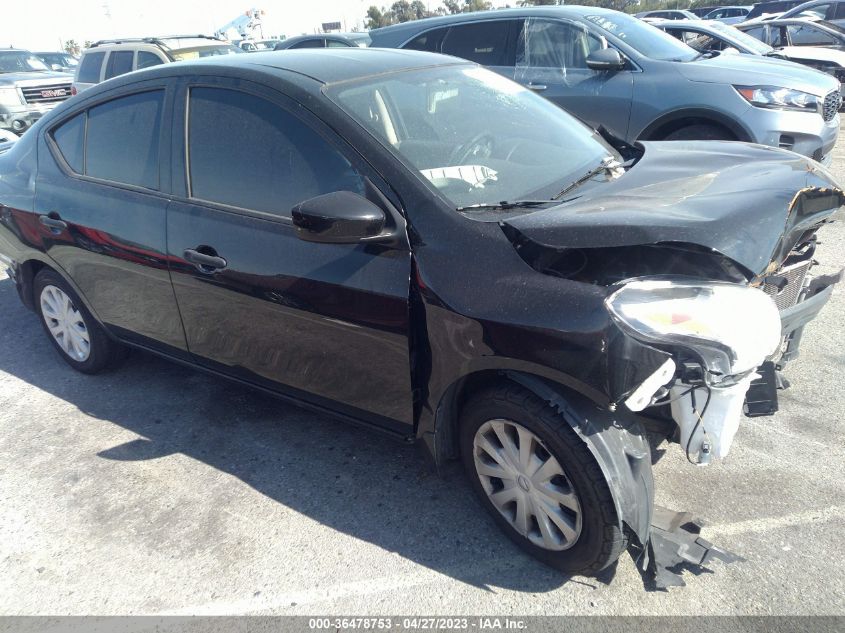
<point>376,18</point>
<point>70,46</point>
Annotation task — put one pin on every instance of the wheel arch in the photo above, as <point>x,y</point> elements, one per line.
<point>25,277</point>
<point>618,442</point>
<point>671,121</point>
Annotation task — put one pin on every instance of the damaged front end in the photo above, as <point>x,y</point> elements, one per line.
<point>710,286</point>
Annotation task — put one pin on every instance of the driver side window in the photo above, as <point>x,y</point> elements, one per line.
<point>556,46</point>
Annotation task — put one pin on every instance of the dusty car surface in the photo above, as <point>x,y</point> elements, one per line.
<point>416,244</point>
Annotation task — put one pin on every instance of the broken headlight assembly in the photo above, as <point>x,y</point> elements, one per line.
<point>731,328</point>
<point>775,98</point>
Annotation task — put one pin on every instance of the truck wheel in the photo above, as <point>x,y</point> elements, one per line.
<point>77,336</point>
<point>539,481</point>
<point>700,132</point>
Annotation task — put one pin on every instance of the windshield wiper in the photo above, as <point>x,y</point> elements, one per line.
<point>504,205</point>
<point>605,165</point>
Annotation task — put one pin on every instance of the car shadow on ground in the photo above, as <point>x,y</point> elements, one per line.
<point>350,479</point>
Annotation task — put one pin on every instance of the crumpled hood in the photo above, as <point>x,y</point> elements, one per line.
<point>813,53</point>
<point>754,70</point>
<point>47,77</point>
<point>751,203</point>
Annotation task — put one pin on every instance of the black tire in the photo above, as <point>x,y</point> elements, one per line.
<point>700,132</point>
<point>601,541</point>
<point>103,353</point>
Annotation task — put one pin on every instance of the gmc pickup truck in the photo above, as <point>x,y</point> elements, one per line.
<point>28,89</point>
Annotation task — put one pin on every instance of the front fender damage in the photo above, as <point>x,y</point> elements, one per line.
<point>665,542</point>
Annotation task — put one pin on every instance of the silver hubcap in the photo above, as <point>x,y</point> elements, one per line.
<point>65,323</point>
<point>527,484</point>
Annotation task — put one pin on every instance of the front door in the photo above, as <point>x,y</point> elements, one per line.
<point>326,323</point>
<point>552,60</point>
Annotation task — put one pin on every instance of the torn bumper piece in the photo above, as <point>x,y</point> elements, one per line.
<point>676,544</point>
<point>793,319</point>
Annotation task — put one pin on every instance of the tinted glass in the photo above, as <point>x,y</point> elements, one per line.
<point>147,59</point>
<point>247,152</point>
<point>70,138</point>
<point>430,41</point>
<point>120,63</point>
<point>123,139</point>
<point>839,12</point>
<point>89,69</point>
<point>315,43</point>
<point>484,42</point>
<point>817,11</point>
<point>475,136</point>
<point>336,44</point>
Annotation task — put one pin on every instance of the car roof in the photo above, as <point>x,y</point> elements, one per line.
<point>561,11</point>
<point>322,65</point>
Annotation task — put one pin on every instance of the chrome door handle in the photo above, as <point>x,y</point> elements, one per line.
<point>537,87</point>
<point>206,263</point>
<point>53,222</point>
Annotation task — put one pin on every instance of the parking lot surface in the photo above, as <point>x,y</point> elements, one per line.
<point>156,489</point>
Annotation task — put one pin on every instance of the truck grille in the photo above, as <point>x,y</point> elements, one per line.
<point>48,93</point>
<point>794,275</point>
<point>831,105</point>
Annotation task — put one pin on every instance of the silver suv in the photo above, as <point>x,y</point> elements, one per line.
<point>110,58</point>
<point>28,89</point>
<point>613,70</point>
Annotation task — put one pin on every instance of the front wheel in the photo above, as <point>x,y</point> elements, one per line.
<point>539,481</point>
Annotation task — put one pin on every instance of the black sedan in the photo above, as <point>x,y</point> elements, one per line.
<point>419,245</point>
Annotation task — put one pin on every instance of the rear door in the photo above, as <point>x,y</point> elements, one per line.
<point>491,43</point>
<point>325,323</point>
<point>102,200</point>
<point>552,60</point>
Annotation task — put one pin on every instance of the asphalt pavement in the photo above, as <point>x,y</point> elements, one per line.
<point>156,489</point>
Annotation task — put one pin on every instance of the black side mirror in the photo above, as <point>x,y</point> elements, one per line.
<point>606,59</point>
<point>341,217</point>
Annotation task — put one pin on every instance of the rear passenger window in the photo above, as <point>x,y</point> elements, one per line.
<point>89,69</point>
<point>247,152</point>
<point>145,60</point>
<point>429,41</point>
<point>123,139</point>
<point>70,139</point>
<point>120,63</point>
<point>483,42</point>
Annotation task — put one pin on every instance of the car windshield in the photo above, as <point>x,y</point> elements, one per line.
<point>475,136</point>
<point>646,39</point>
<point>196,52</point>
<point>730,34</point>
<point>20,61</point>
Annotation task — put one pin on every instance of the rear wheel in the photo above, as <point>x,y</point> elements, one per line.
<point>700,132</point>
<point>79,339</point>
<point>539,481</point>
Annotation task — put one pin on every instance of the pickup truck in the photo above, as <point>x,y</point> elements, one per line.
<point>28,89</point>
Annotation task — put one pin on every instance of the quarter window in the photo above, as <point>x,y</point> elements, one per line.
<point>429,41</point>
<point>89,69</point>
<point>147,59</point>
<point>485,42</point>
<point>247,152</point>
<point>120,63</point>
<point>70,139</point>
<point>123,139</point>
